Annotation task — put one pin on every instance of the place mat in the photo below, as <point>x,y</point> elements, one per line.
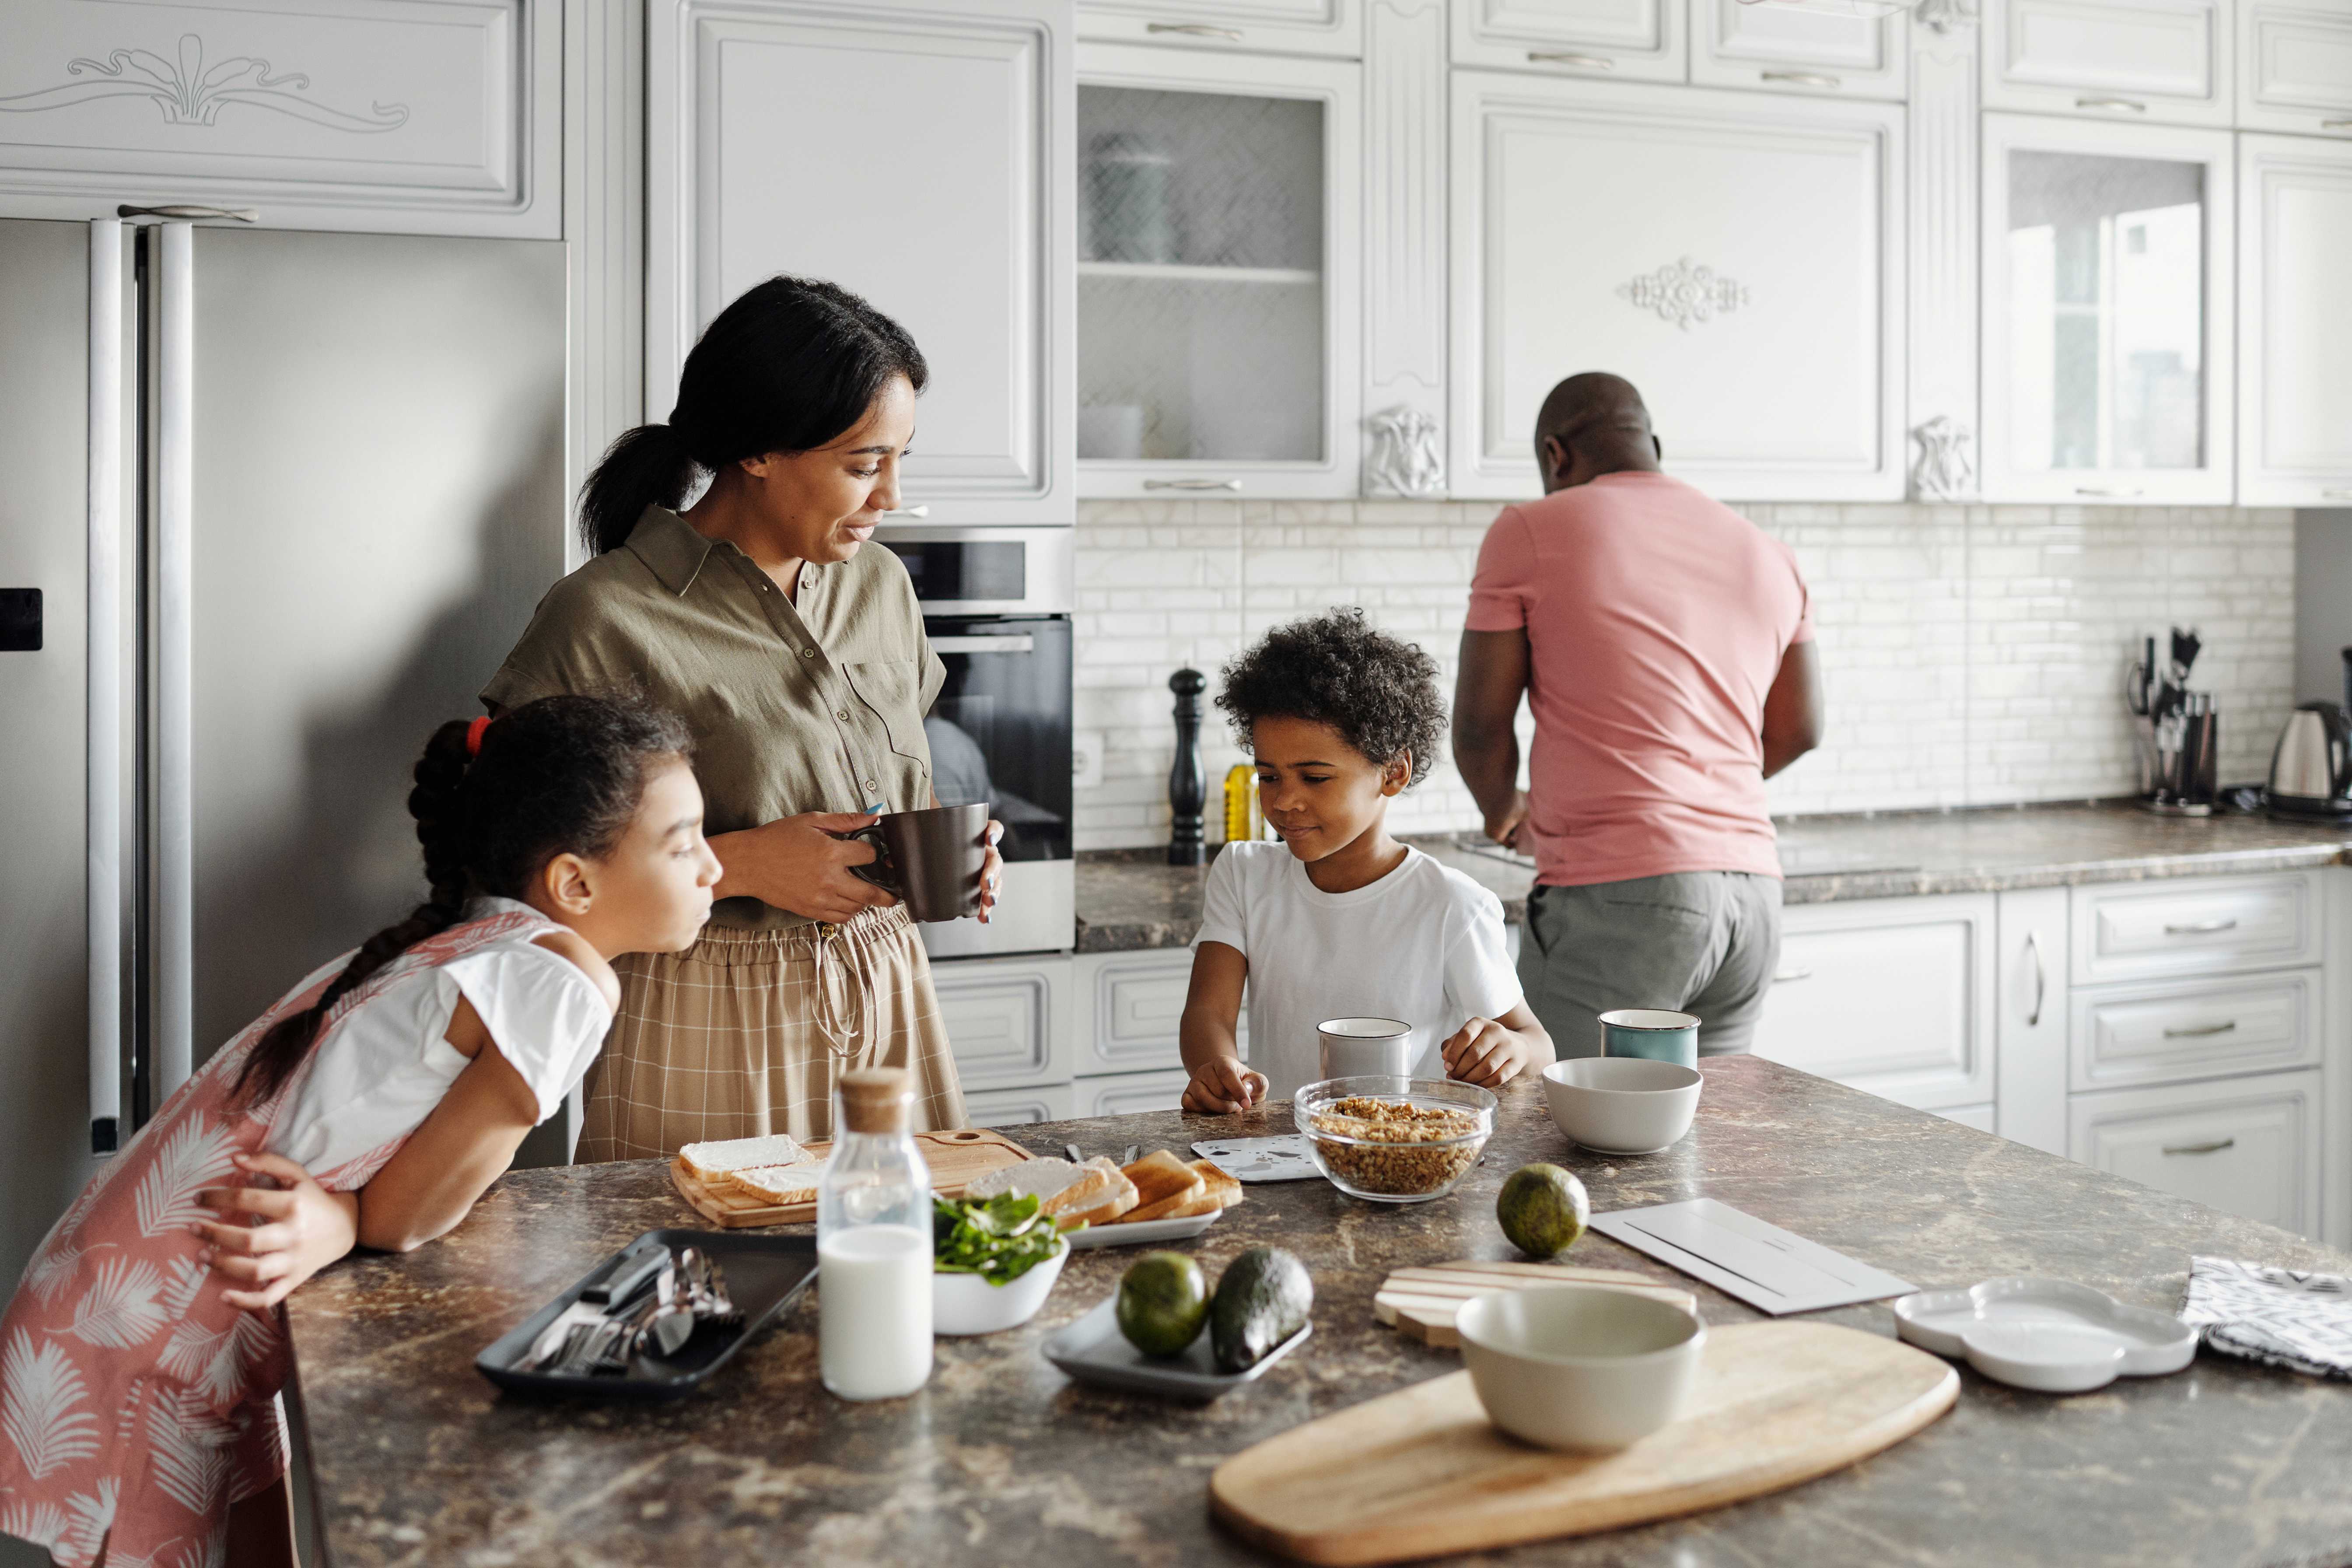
<point>1420,1303</point>
<point>2283,1317</point>
<point>1771,1270</point>
<point>1282,1158</point>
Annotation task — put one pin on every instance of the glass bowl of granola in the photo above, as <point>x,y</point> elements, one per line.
<point>1394,1140</point>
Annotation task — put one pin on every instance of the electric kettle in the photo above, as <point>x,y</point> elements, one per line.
<point>2311,768</point>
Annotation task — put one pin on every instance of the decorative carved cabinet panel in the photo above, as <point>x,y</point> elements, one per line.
<point>1737,255</point>
<point>404,116</point>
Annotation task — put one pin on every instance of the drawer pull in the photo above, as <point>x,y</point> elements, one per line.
<point>1195,30</point>
<point>2215,1147</point>
<point>1787,974</point>
<point>1191,484</point>
<point>2337,495</point>
<point>2201,1031</point>
<point>2112,105</point>
<point>2336,125</point>
<point>2041,979</point>
<point>2202,928</point>
<point>1558,57</point>
<point>1021,642</point>
<point>2110,491</point>
<point>1802,78</point>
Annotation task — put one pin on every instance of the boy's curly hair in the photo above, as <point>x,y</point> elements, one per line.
<point>1379,693</point>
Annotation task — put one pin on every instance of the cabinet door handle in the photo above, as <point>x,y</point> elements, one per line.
<point>1561,58</point>
<point>2215,1147</point>
<point>2202,928</point>
<point>2107,490</point>
<point>1195,30</point>
<point>1787,974</point>
<point>2336,125</point>
<point>1191,484</point>
<point>2336,495</point>
<point>908,511</point>
<point>1021,642</point>
<point>2040,978</point>
<point>2198,1033</point>
<point>1802,78</point>
<point>2114,105</point>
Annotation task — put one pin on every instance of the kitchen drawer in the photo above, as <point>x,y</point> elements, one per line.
<point>2158,930</point>
<point>1980,1117</point>
<point>1891,995</point>
<point>2295,66</point>
<point>2248,1147</point>
<point>1131,1005</point>
<point>1007,1019</point>
<point>1783,47</point>
<point>1018,1107</point>
<point>1133,1092</point>
<point>2166,1032</point>
<point>2119,59</point>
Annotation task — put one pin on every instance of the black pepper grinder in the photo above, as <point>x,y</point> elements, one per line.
<point>1187,781</point>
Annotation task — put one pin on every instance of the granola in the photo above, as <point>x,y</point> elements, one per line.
<point>1395,1147</point>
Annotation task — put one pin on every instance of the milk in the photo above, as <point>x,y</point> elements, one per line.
<point>874,1311</point>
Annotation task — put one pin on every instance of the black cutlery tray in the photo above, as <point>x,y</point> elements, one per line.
<point>764,1275</point>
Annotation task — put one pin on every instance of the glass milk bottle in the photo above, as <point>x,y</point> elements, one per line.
<point>874,1243</point>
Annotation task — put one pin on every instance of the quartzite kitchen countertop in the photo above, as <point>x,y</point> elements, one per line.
<point>420,1461</point>
<point>1132,899</point>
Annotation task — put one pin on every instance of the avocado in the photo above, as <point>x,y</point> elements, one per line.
<point>1162,1300</point>
<point>1263,1300</point>
<point>1542,1209</point>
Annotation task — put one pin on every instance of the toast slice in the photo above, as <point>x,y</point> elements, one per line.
<point>1163,1183</point>
<point>1116,1197</point>
<point>1045,1177</point>
<point>1218,1191</point>
<point>777,1184</point>
<point>709,1163</point>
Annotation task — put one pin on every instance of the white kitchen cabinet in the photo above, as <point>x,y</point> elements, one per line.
<point>1807,49</point>
<point>381,116</point>
<point>952,211</point>
<point>2030,1016</point>
<point>1130,1006</point>
<point>2130,60</point>
<point>2294,244</point>
<point>1020,1107</point>
<point>1008,1019</point>
<point>1272,27</point>
<point>2246,1146</point>
<point>1219,274</point>
<point>2182,1029</point>
<point>2159,931</point>
<point>2107,334</point>
<point>1133,1092</point>
<point>1746,276</point>
<point>1980,1117</point>
<point>1628,40</point>
<point>1892,995</point>
<point>2295,66</point>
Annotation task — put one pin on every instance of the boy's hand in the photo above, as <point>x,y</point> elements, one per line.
<point>305,1227</point>
<point>1222,1085</point>
<point>1484,1053</point>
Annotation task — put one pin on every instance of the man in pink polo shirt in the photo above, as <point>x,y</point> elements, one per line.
<point>1664,644</point>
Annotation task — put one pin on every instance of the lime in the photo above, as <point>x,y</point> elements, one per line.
<point>1542,1209</point>
<point>1162,1302</point>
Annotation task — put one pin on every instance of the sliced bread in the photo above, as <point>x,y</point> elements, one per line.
<point>710,1162</point>
<point>1218,1191</point>
<point>1163,1183</point>
<point>777,1184</point>
<point>1112,1199</point>
<point>1045,1176</point>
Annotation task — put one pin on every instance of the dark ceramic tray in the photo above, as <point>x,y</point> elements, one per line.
<point>764,1275</point>
<point>1092,1350</point>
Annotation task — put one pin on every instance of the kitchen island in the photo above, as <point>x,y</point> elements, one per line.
<point>418,1461</point>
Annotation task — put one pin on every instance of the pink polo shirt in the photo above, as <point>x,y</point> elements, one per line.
<point>1655,621</point>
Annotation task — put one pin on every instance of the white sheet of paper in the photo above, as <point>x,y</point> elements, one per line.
<point>1769,1269</point>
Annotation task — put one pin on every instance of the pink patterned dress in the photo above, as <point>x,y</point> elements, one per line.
<point>133,1400</point>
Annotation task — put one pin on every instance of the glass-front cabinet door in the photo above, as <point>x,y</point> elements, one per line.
<point>1217,285</point>
<point>2107,321</point>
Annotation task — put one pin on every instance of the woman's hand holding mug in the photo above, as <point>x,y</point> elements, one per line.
<point>802,864</point>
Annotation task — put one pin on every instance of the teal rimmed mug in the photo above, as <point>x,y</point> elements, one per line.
<point>1651,1032</point>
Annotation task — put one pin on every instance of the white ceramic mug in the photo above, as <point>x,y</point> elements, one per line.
<point>1356,1048</point>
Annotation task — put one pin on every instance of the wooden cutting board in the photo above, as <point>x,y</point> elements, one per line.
<point>955,1158</point>
<point>1421,1472</point>
<point>1419,1304</point>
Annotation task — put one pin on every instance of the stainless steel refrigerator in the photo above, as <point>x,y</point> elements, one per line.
<point>286,499</point>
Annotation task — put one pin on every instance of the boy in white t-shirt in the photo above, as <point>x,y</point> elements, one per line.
<point>1340,920</point>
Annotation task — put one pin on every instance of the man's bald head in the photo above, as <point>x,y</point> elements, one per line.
<point>1593,424</point>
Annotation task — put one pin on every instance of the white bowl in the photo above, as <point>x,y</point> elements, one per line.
<point>967,1304</point>
<point>1580,1366</point>
<point>1622,1105</point>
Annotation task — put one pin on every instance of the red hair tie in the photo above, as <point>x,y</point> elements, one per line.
<point>473,736</point>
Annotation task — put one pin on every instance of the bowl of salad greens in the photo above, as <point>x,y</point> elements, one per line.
<point>993,1262</point>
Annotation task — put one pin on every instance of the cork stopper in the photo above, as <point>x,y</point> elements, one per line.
<point>876,1099</point>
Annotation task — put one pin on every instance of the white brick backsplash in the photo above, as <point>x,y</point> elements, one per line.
<point>1973,655</point>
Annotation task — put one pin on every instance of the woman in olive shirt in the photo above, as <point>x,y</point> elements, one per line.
<point>798,660</point>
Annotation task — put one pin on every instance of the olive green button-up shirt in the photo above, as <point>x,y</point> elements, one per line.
<point>816,705</point>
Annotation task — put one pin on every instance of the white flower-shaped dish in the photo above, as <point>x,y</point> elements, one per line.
<point>2051,1335</point>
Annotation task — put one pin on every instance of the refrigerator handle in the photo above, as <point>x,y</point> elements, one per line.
<point>173,696</point>
<point>104,787</point>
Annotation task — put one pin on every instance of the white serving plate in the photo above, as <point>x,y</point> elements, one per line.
<point>1141,1231</point>
<point>2051,1335</point>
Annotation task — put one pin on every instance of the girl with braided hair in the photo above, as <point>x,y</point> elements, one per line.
<point>141,1356</point>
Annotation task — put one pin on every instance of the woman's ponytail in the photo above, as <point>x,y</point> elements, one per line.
<point>649,465</point>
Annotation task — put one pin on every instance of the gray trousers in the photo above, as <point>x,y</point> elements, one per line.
<point>1704,942</point>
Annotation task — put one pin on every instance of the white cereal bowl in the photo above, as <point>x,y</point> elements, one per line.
<point>1622,1105</point>
<point>967,1304</point>
<point>1580,1366</point>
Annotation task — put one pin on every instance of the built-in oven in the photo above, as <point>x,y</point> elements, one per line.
<point>996,606</point>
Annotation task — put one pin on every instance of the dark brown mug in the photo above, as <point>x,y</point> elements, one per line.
<point>932,860</point>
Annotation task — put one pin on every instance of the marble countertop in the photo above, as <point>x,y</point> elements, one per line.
<point>1132,898</point>
<point>418,1461</point>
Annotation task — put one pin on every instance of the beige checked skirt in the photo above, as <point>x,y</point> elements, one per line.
<point>744,1033</point>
